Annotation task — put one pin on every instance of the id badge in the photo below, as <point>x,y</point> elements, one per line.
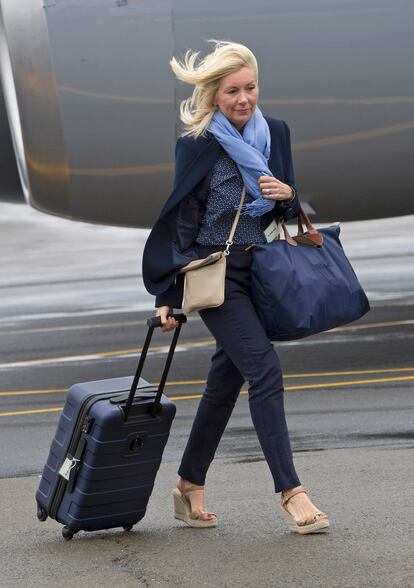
<point>272,231</point>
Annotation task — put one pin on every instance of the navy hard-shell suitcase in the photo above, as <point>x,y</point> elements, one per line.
<point>107,450</point>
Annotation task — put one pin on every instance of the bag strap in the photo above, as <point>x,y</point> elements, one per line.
<point>312,237</point>
<point>234,225</point>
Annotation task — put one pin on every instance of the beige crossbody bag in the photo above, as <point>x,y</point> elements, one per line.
<point>205,278</point>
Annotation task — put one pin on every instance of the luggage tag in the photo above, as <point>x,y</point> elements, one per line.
<point>272,231</point>
<point>67,466</point>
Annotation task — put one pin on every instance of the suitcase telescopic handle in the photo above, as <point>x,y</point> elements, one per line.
<point>153,323</point>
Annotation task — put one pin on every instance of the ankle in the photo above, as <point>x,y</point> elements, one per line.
<point>186,484</point>
<point>291,491</point>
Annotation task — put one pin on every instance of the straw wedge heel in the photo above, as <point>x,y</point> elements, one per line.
<point>183,512</point>
<point>311,525</point>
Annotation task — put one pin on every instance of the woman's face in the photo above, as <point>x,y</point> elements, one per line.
<point>237,96</point>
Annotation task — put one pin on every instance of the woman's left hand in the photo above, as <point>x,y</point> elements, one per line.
<point>274,189</point>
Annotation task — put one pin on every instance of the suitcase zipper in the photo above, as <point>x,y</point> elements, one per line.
<point>82,424</point>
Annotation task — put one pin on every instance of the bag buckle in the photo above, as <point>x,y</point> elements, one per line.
<point>226,251</point>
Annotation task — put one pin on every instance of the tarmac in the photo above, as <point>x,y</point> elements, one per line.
<point>72,309</point>
<point>366,492</point>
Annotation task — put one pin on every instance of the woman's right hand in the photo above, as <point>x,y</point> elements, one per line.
<point>167,324</point>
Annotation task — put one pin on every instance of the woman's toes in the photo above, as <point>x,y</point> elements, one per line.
<point>207,516</point>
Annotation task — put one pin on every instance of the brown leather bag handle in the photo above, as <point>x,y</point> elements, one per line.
<point>288,238</point>
<point>312,237</point>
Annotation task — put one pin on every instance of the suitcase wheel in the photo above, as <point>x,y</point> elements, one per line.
<point>41,513</point>
<point>127,527</point>
<point>68,533</point>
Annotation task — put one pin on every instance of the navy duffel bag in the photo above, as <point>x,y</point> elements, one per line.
<point>305,284</point>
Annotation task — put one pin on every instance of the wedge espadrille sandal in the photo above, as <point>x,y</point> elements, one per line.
<point>311,525</point>
<point>195,518</point>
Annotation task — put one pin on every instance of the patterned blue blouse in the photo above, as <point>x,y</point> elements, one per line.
<point>225,191</point>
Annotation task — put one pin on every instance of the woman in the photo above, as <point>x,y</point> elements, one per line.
<point>228,142</point>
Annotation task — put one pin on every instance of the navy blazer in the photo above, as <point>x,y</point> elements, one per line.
<point>170,244</point>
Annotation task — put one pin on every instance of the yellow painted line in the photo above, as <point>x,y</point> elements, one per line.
<point>352,382</point>
<point>30,392</point>
<point>350,372</point>
<point>307,375</point>
<point>99,354</point>
<point>39,411</point>
<point>193,382</point>
<point>287,388</point>
<point>320,385</point>
<point>188,345</point>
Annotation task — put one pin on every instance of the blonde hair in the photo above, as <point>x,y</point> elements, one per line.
<point>197,111</point>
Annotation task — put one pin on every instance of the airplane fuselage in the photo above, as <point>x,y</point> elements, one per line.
<point>92,104</point>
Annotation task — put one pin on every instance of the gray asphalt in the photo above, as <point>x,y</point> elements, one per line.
<point>366,492</point>
<point>72,313</point>
<point>373,409</point>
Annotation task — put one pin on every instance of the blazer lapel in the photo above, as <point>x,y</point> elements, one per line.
<point>275,160</point>
<point>198,169</point>
<point>202,164</point>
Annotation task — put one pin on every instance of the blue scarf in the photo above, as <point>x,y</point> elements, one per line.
<point>250,152</point>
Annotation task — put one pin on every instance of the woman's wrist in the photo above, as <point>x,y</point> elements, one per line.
<point>293,193</point>
<point>291,199</point>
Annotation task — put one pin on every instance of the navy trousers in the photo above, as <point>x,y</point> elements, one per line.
<point>243,353</point>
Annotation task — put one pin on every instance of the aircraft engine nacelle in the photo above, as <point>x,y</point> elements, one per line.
<point>92,104</point>
<point>92,113</point>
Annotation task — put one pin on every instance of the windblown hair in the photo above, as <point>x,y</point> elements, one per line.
<point>197,111</point>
